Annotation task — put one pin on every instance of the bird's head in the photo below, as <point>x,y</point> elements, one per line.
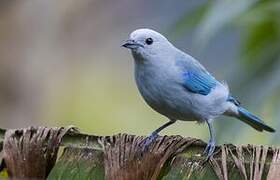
<point>147,43</point>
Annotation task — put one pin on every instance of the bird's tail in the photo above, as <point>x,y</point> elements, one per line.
<point>252,120</point>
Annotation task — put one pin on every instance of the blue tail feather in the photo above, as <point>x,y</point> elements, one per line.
<point>252,120</point>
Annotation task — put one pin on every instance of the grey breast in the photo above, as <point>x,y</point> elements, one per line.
<point>163,93</point>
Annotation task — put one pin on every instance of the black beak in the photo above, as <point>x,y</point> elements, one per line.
<point>131,44</point>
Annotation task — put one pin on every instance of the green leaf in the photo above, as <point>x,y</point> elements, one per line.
<point>79,163</point>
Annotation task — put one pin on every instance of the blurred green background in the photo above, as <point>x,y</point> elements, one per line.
<point>61,62</point>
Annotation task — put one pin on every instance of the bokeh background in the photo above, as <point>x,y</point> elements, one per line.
<point>61,62</point>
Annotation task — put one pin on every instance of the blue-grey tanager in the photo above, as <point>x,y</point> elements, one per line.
<point>177,86</point>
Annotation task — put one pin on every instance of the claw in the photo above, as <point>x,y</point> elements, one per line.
<point>147,141</point>
<point>209,149</point>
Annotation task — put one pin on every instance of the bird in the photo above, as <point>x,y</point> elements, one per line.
<point>176,85</point>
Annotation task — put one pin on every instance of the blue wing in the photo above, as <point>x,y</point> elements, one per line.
<point>199,82</point>
<point>195,77</point>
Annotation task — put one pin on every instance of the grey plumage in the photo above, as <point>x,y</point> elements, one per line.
<point>177,86</point>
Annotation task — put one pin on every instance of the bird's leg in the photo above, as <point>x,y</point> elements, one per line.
<point>149,139</point>
<point>211,143</point>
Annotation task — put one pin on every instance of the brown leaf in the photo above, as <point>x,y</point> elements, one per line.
<point>258,162</point>
<point>31,152</point>
<point>2,163</point>
<point>239,161</point>
<point>256,158</point>
<point>274,172</point>
<point>123,161</point>
<point>221,170</point>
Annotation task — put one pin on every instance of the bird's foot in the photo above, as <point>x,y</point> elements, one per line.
<point>147,141</point>
<point>209,148</point>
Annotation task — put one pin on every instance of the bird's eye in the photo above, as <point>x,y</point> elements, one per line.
<point>149,41</point>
